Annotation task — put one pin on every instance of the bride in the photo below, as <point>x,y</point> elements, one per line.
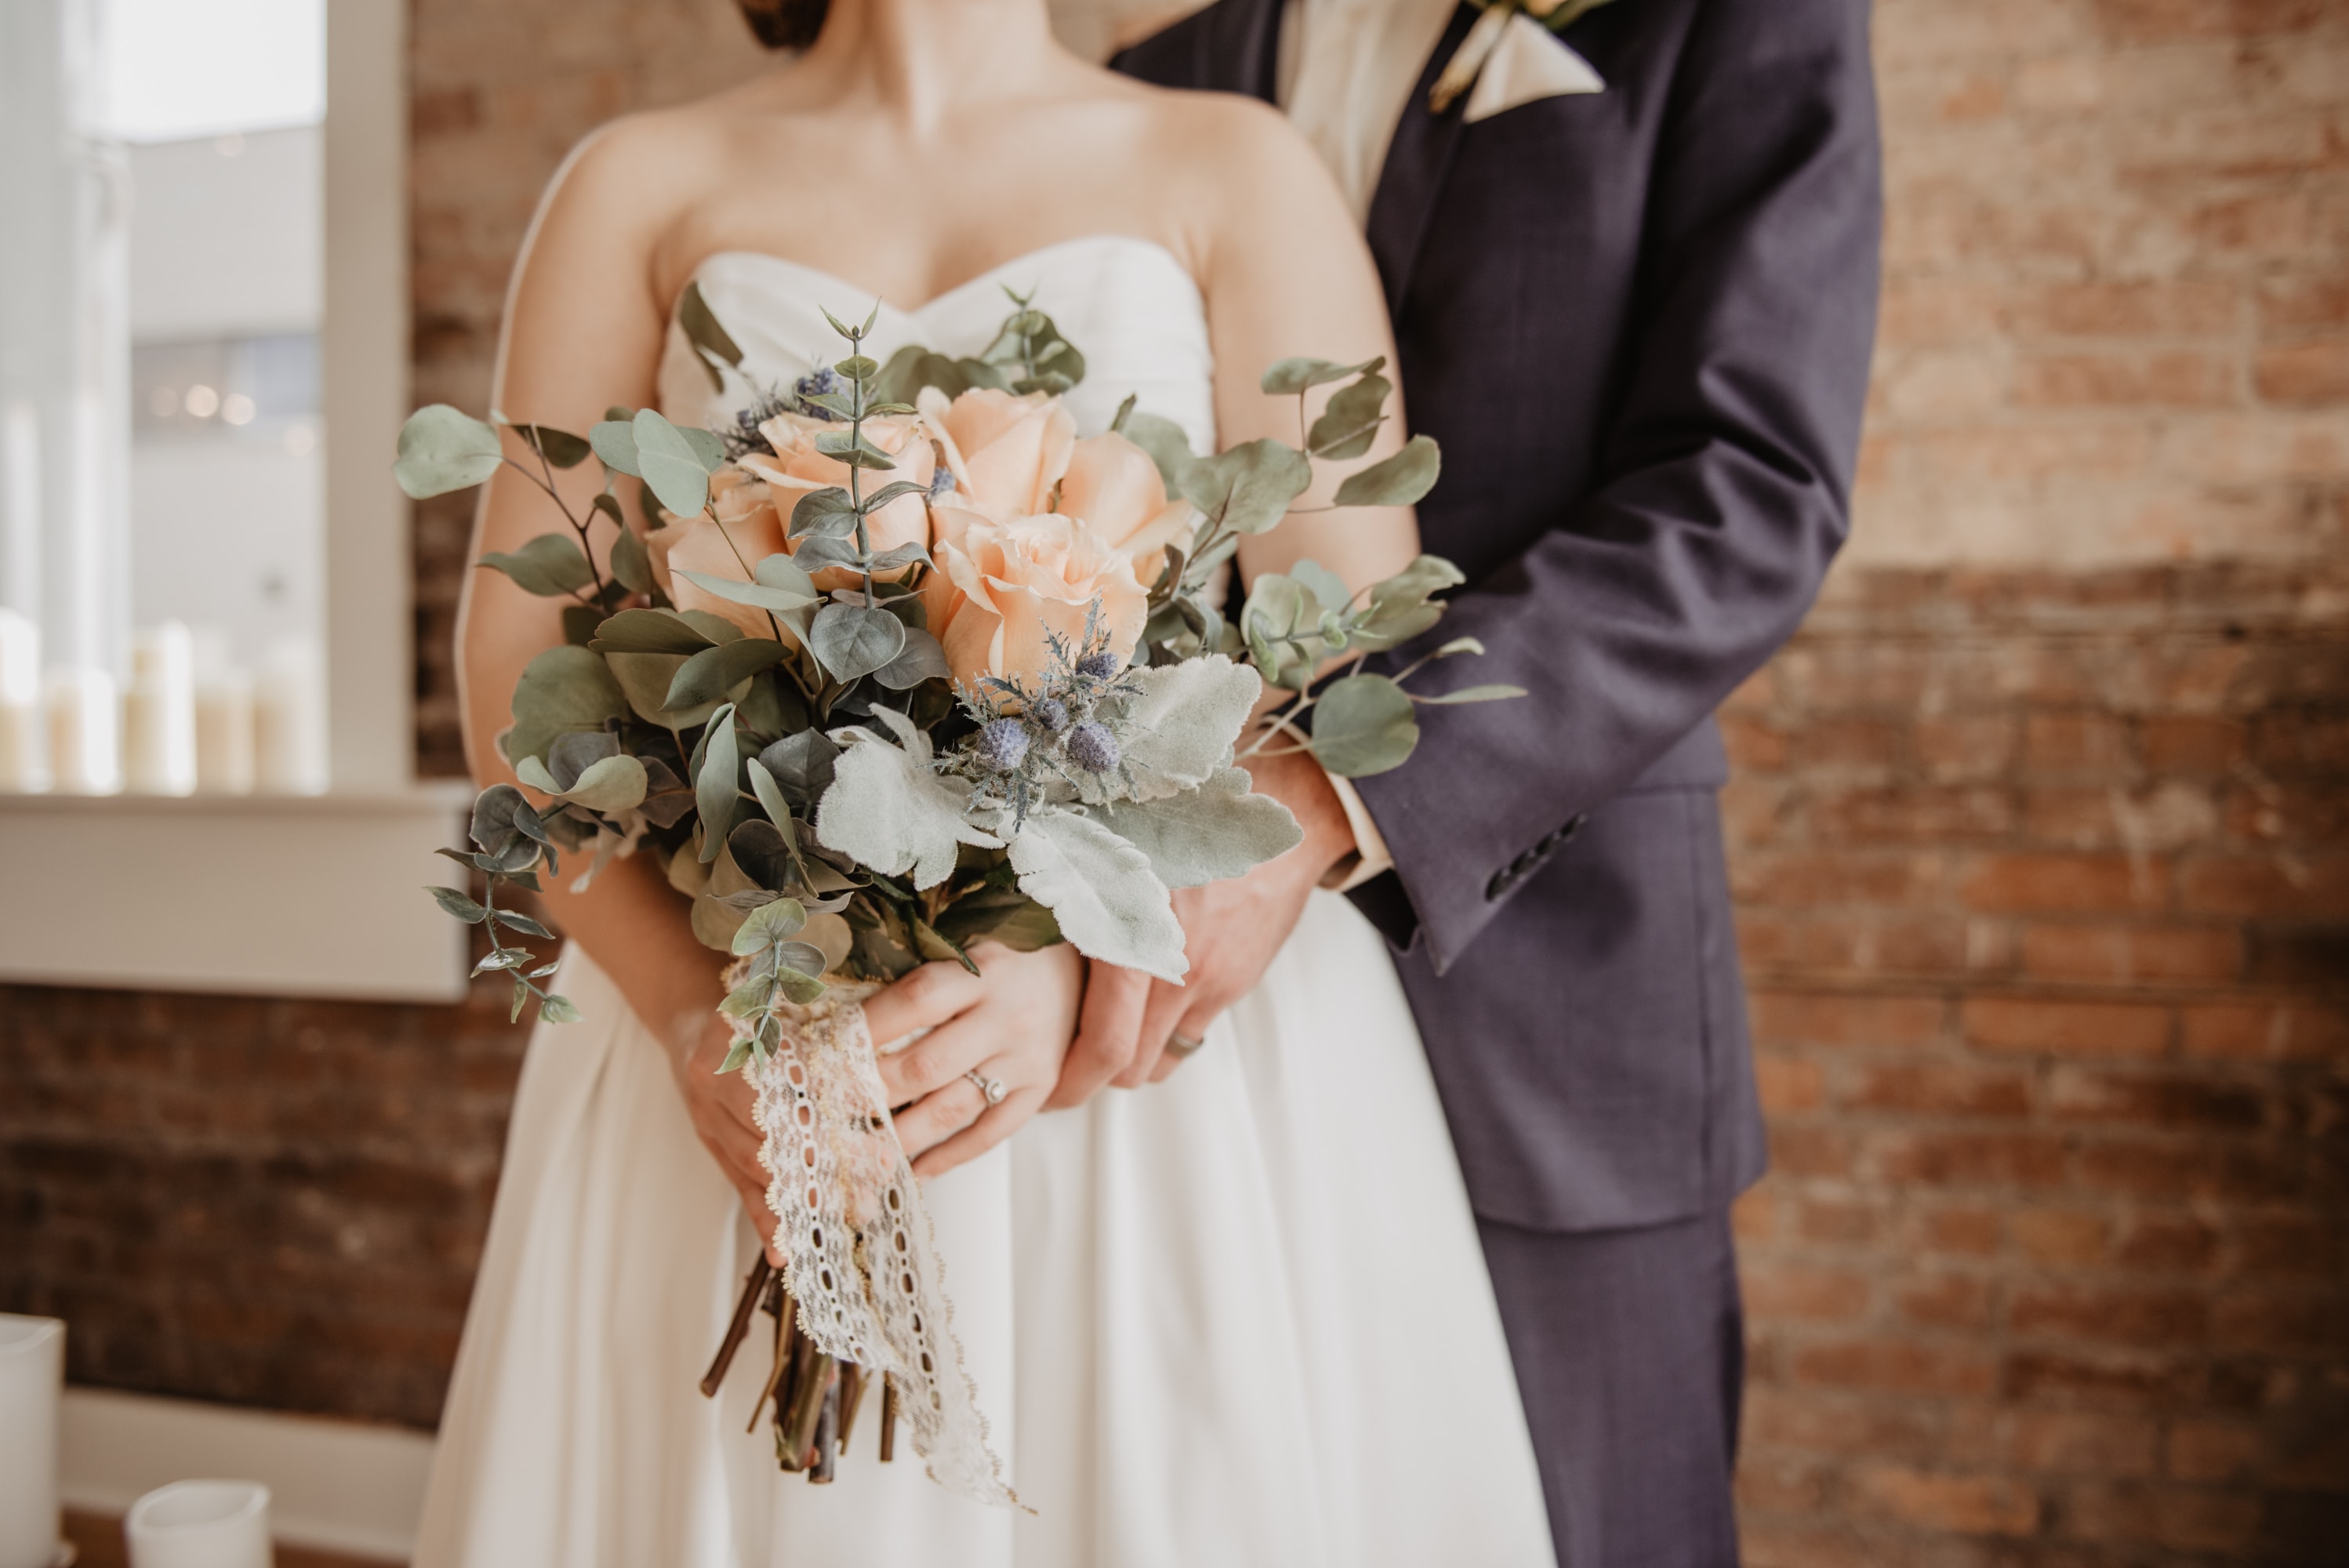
<point>1236,1317</point>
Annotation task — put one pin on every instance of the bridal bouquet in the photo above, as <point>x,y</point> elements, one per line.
<point>899,663</point>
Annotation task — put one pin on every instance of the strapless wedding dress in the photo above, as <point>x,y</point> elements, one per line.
<point>1240,1319</point>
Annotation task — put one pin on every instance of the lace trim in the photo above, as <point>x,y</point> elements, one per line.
<point>863,1256</point>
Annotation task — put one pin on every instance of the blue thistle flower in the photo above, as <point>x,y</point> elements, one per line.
<point>1003,744</point>
<point>942,483</point>
<point>1100,666</point>
<point>1092,748</point>
<point>1049,712</point>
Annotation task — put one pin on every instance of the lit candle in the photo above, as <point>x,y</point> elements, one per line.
<point>24,723</point>
<point>32,1375</point>
<point>201,1524</point>
<point>85,730</point>
<point>225,756</point>
<point>158,717</point>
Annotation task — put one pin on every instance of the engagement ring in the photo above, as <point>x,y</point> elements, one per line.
<point>1181,1044</point>
<point>992,1088</point>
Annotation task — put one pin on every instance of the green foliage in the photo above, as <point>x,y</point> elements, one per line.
<point>711,674</point>
<point>670,463</point>
<point>1351,423</point>
<point>1363,725</point>
<point>550,566</point>
<point>563,689</point>
<point>711,341</point>
<point>442,450</point>
<point>716,790</point>
<point>1291,377</point>
<point>1403,479</point>
<point>855,640</point>
<point>561,449</point>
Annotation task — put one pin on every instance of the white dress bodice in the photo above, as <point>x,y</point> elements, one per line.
<point>1126,303</point>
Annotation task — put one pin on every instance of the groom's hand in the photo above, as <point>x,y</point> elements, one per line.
<point>1231,931</point>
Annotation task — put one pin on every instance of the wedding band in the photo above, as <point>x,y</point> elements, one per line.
<point>1179,1045</point>
<point>992,1088</point>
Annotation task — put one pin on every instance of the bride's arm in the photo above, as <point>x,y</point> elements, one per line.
<point>1285,274</point>
<point>582,332</point>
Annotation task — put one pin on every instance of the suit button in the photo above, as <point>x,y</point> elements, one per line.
<point>1573,826</point>
<point>1503,881</point>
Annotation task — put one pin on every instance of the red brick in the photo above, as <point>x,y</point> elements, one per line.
<point>2062,1238</point>
<point>1964,745</point>
<point>1827,1018</point>
<point>2000,1159</point>
<point>1755,745</point>
<point>2079,1442</point>
<point>1784,1290</point>
<point>2190,747</point>
<point>2185,1101</point>
<point>1789,1083</point>
<point>2169,1243</point>
<point>2281,886</point>
<point>2304,373</point>
<point>1814,1420</point>
<point>1896,1366</point>
<point>1804,879</point>
<point>2280,1321</point>
<point>2265,1031</point>
<point>1863,944</point>
<point>2117,955</point>
<point>2136,1316</point>
<point>2070,743</point>
<point>1945,1301</point>
<point>2200,308</point>
<point>2176,1518</point>
<point>1934,1088</point>
<point>1961,1504</point>
<point>2169,1168</point>
<point>2048,884</point>
<point>2169,21</point>
<point>1835,1220</point>
<point>1959,1230</point>
<point>2179,378</point>
<point>2053,1026</point>
<point>2212,1448</point>
<point>1900,814</point>
<point>2300,301</point>
<point>2104,1376</point>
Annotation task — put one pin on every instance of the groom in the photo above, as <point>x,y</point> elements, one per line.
<point>1631,265</point>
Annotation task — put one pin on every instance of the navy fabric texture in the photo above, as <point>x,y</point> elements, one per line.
<point>1640,322</point>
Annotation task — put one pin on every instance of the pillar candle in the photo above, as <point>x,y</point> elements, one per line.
<point>224,745</point>
<point>290,722</point>
<point>201,1524</point>
<point>158,715</point>
<point>85,730</point>
<point>24,720</point>
<point>32,1379</point>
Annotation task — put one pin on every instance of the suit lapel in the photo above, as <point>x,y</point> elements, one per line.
<point>1416,162</point>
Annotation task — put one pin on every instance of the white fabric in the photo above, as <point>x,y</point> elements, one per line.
<point>1348,68</point>
<point>1240,1319</point>
<point>1531,63</point>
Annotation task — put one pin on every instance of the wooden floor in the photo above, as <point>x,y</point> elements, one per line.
<point>99,1538</point>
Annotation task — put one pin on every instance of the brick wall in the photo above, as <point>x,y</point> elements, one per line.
<point>2043,872</point>
<point>2045,899</point>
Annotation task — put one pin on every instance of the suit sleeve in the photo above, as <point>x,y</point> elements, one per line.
<point>1724,479</point>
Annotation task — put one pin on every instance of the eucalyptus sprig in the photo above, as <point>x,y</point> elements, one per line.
<point>509,842</point>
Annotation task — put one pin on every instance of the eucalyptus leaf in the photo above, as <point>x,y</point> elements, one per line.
<point>854,450</point>
<point>713,672</point>
<point>563,689</point>
<point>615,440</point>
<point>458,904</point>
<point>549,566</point>
<point>611,786</point>
<point>632,568</point>
<point>1328,589</point>
<point>710,340</point>
<point>558,1009</point>
<point>715,790</point>
<point>1219,829</point>
<point>645,679</point>
<point>923,659</point>
<point>670,463</point>
<point>1249,487</point>
<point>651,631</point>
<point>707,446</point>
<point>853,641</point>
<point>763,854</point>
<point>1102,892</point>
<point>769,793</point>
<point>1352,421</point>
<point>801,766</point>
<point>560,448</point>
<point>521,923</point>
<point>572,755</point>
<point>889,493</point>
<point>1403,479</point>
<point>829,513</point>
<point>1473,693</point>
<point>781,601</point>
<point>444,448</point>
<point>1363,725</point>
<point>769,924</point>
<point>1168,447</point>
<point>1287,378</point>
<point>1399,608</point>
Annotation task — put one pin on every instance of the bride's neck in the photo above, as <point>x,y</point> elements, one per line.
<point>921,58</point>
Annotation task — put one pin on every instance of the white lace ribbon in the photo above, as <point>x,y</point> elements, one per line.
<point>863,1260</point>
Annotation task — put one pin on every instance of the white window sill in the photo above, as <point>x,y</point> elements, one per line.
<point>271,895</point>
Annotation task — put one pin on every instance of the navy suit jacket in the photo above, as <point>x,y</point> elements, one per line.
<point>1638,322</point>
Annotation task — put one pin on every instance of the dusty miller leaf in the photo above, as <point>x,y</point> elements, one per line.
<point>889,811</point>
<point>1101,892</point>
<point>1179,728</point>
<point>1219,829</point>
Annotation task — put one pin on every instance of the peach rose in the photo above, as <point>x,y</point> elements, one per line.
<point>1007,450</point>
<point>746,528</point>
<point>797,468</point>
<point>1115,488</point>
<point>1009,583</point>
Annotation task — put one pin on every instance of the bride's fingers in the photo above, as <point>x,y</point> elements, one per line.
<point>1160,1018</point>
<point>995,1124</point>
<point>1108,1029</point>
<point>939,1117</point>
<point>940,1057</point>
<point>924,999</point>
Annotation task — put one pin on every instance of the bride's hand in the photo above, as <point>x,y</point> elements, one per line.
<point>1011,1022</point>
<point>719,1105</point>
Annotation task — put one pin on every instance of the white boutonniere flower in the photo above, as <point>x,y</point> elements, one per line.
<point>1513,55</point>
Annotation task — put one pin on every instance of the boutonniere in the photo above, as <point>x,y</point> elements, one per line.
<point>1523,35</point>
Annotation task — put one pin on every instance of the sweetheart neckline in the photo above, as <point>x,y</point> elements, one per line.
<point>991,275</point>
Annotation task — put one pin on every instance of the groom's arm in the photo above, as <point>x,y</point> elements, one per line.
<point>1725,476</point>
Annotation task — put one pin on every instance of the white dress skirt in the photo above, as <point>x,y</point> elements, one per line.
<point>1237,1318</point>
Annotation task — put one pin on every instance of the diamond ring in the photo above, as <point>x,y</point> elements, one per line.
<point>1181,1044</point>
<point>990,1088</point>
